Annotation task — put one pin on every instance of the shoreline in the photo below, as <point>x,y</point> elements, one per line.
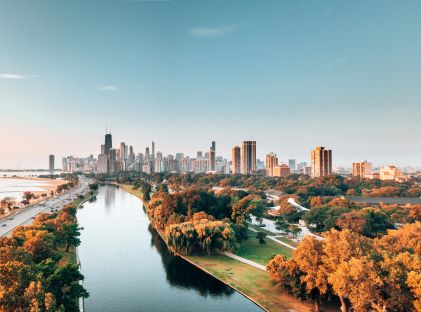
<point>81,301</point>
<point>295,304</point>
<point>47,185</point>
<point>51,185</point>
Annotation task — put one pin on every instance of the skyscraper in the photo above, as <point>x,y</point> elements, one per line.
<point>236,160</point>
<point>361,169</point>
<point>122,157</point>
<point>102,163</point>
<point>271,162</point>
<point>64,164</point>
<point>291,163</point>
<point>159,164</point>
<point>321,162</point>
<point>112,158</point>
<point>147,155</point>
<point>51,163</point>
<point>132,156</point>
<point>248,157</point>
<point>212,159</point>
<point>153,150</point>
<point>108,143</point>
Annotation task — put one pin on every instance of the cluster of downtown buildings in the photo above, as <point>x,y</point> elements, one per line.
<point>114,160</point>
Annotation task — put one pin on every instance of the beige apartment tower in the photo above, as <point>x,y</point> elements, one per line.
<point>271,162</point>
<point>361,169</point>
<point>321,162</point>
<point>248,157</point>
<point>236,160</point>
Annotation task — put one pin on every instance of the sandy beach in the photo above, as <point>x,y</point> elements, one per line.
<point>16,186</point>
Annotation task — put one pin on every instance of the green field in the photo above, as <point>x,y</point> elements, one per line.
<point>252,250</point>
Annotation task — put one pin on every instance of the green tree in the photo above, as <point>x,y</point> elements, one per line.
<point>261,237</point>
<point>295,230</point>
<point>281,225</point>
<point>63,283</point>
<point>70,232</point>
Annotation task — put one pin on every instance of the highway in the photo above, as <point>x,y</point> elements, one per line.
<point>57,202</point>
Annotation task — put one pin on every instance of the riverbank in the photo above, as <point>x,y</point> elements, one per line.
<point>252,283</point>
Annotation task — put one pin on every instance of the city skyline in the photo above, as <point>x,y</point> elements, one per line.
<point>260,155</point>
<point>287,75</point>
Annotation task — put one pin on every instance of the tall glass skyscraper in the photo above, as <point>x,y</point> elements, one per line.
<point>248,157</point>
<point>108,143</point>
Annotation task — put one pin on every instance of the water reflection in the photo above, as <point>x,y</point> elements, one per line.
<point>180,273</point>
<point>109,197</point>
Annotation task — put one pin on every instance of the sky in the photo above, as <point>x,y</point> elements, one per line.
<point>290,74</point>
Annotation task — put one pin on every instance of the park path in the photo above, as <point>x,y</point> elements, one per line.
<point>274,239</point>
<point>244,260</point>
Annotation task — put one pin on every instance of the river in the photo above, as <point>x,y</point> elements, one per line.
<point>128,268</point>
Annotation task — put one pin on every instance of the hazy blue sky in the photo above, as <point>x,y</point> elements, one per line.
<point>289,74</point>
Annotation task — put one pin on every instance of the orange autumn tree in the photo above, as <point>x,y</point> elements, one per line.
<point>309,258</point>
<point>366,274</point>
<point>359,282</point>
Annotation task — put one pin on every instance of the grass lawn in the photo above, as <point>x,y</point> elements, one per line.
<point>129,189</point>
<point>250,281</point>
<point>252,250</point>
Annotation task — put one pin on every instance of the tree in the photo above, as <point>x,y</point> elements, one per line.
<point>70,232</point>
<point>64,285</point>
<point>37,299</point>
<point>376,221</point>
<point>200,234</point>
<point>281,225</point>
<point>261,237</point>
<point>242,208</point>
<point>324,218</point>
<point>357,280</point>
<point>28,196</point>
<point>353,221</point>
<point>339,247</point>
<point>288,275</point>
<point>295,230</point>
<point>94,186</point>
<point>7,203</point>
<point>407,238</point>
<point>414,281</point>
<point>309,258</point>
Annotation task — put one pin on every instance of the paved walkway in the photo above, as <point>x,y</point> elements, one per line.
<point>281,242</point>
<point>246,261</point>
<point>276,240</point>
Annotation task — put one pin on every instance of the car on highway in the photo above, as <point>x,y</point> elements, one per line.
<point>4,224</point>
<point>11,218</point>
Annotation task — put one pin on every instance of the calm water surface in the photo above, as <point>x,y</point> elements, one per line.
<point>128,268</point>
